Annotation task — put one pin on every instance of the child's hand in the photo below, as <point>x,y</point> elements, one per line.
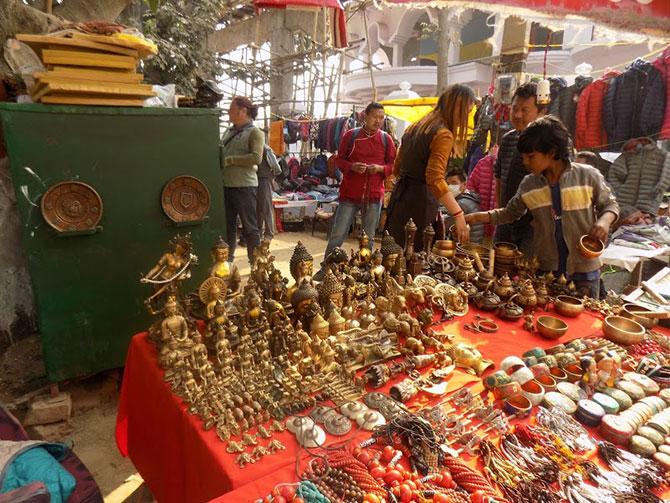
<point>600,230</point>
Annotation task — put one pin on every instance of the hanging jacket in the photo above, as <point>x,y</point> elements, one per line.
<point>662,64</point>
<point>634,104</point>
<point>482,181</point>
<point>640,176</point>
<point>589,131</point>
<point>565,105</point>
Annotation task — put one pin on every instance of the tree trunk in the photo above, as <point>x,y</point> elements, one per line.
<point>87,10</point>
<point>443,42</point>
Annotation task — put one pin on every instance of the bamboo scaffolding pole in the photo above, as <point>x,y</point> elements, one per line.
<point>367,39</point>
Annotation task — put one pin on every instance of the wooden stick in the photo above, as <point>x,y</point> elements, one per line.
<point>492,260</point>
<point>478,261</point>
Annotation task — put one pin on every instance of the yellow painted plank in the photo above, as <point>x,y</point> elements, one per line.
<point>143,50</point>
<point>95,75</point>
<point>60,57</point>
<point>91,100</point>
<point>128,88</point>
<point>88,87</point>
<point>39,41</point>
<point>112,75</point>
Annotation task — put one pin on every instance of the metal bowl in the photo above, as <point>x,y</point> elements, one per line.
<point>568,306</point>
<point>550,327</point>
<point>589,247</point>
<point>623,330</point>
<point>648,323</point>
<point>504,249</point>
<point>445,244</point>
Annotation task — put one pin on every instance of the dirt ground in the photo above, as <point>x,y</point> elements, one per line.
<point>90,430</point>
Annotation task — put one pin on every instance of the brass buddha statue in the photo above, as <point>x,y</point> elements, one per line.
<point>301,267</point>
<point>331,292</point>
<point>304,302</point>
<point>225,270</point>
<point>364,249</point>
<point>173,326</point>
<point>390,251</point>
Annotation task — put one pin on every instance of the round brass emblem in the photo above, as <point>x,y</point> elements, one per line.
<point>185,199</point>
<point>71,206</point>
<point>212,286</point>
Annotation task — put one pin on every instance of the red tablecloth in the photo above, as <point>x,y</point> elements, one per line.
<point>181,462</point>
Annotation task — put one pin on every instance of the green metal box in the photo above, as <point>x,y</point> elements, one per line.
<point>88,298</point>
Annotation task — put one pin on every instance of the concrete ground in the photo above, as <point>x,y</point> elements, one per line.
<point>90,429</point>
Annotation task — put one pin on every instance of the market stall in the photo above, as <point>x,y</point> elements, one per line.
<point>418,348</point>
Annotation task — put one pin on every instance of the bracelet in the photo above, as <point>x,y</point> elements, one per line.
<point>458,213</point>
<point>517,405</point>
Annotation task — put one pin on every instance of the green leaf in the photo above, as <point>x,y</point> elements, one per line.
<point>153,4</point>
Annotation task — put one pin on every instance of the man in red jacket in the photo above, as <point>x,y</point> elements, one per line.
<point>365,158</point>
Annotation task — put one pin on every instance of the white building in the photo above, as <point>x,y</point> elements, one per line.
<point>404,48</point>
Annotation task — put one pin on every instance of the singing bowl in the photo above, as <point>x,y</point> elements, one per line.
<point>444,253</point>
<point>568,306</point>
<point>504,249</point>
<point>445,244</point>
<point>550,327</point>
<point>648,323</point>
<point>623,330</point>
<point>589,247</point>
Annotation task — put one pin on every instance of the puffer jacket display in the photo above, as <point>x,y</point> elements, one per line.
<point>565,105</point>
<point>640,176</point>
<point>482,181</point>
<point>589,132</point>
<point>662,63</point>
<point>634,104</point>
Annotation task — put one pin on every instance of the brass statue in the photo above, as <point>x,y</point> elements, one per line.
<point>172,268</point>
<point>469,358</point>
<point>224,270</point>
<point>174,326</point>
<point>364,250</point>
<point>301,266</point>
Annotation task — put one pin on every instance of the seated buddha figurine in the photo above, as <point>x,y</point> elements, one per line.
<point>377,270</point>
<point>225,270</point>
<point>174,326</point>
<point>364,250</point>
<point>301,266</point>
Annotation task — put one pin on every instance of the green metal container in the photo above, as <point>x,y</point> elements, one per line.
<point>88,297</point>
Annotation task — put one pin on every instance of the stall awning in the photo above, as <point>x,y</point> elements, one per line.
<point>410,110</point>
<point>645,16</point>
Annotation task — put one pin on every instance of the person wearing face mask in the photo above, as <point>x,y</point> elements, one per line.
<point>467,200</point>
<point>509,169</point>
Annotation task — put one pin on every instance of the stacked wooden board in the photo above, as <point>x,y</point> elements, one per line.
<point>83,69</point>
